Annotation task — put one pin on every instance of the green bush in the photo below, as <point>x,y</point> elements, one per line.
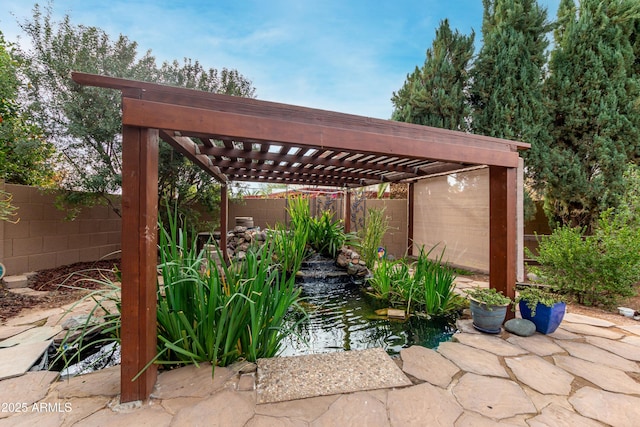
<point>596,270</point>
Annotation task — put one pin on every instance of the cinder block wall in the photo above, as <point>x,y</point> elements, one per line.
<point>268,212</point>
<point>43,239</point>
<point>265,212</point>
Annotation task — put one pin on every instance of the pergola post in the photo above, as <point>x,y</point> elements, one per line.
<point>502,230</point>
<point>410,217</point>
<point>139,261</point>
<point>347,211</point>
<point>224,221</point>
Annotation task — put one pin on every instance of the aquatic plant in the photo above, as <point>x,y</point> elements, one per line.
<point>371,235</point>
<point>327,236</point>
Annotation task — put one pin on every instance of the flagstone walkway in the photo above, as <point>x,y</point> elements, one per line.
<point>587,373</point>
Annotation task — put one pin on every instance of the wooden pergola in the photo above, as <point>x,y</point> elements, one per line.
<point>241,139</point>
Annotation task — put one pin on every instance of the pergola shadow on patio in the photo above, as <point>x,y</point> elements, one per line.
<point>241,139</point>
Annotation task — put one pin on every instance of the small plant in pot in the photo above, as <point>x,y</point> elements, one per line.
<point>488,309</point>
<point>541,306</point>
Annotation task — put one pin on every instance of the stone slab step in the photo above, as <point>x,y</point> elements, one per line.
<point>13,282</point>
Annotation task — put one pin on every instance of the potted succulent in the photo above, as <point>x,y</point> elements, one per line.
<point>488,309</point>
<point>541,306</point>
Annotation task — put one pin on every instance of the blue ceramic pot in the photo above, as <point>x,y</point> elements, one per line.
<point>487,319</point>
<point>547,319</point>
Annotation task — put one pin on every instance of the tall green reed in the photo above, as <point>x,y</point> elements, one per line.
<point>371,236</point>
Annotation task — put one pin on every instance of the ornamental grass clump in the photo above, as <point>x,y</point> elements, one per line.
<point>425,286</point>
<point>220,313</point>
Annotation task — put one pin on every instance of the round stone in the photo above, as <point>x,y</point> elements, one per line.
<point>522,327</point>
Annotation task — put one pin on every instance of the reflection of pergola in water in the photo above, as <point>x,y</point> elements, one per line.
<point>276,143</point>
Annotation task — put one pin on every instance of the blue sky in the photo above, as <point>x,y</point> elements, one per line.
<point>341,55</point>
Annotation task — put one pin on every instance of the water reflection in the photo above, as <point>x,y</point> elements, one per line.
<point>342,318</point>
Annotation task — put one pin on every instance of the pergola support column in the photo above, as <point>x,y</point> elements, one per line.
<point>410,217</point>
<point>224,221</point>
<point>347,211</point>
<point>502,229</point>
<point>139,261</point>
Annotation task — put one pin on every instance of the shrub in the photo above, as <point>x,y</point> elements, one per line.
<point>596,270</point>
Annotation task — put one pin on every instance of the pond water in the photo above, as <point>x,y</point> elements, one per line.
<point>342,317</point>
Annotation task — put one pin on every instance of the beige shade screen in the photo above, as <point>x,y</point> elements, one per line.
<point>452,211</point>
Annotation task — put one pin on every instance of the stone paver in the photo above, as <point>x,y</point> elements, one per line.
<point>476,420</point>
<point>540,375</point>
<point>492,397</point>
<point>582,329</point>
<point>31,387</point>
<point>191,381</point>
<point>428,365</point>
<point>16,360</point>
<point>603,376</point>
<point>537,344</point>
<point>105,382</point>
<point>634,329</point>
<point>623,349</point>
<point>631,339</point>
<point>354,409</point>
<point>303,409</point>
<point>563,334</point>
<point>151,416</point>
<point>586,320</point>
<point>224,409</point>
<point>488,343</point>
<point>557,416</point>
<point>610,408</point>
<point>472,359</point>
<point>598,355</point>
<point>264,421</point>
<point>422,405</point>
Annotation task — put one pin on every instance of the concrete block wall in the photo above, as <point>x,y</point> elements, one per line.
<point>43,239</point>
<point>266,213</point>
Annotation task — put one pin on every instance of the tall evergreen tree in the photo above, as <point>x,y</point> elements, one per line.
<point>595,101</point>
<point>506,92</point>
<point>435,95</point>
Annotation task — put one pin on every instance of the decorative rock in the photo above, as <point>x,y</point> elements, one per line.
<point>521,327</point>
<point>75,322</point>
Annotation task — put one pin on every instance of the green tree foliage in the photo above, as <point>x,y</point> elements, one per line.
<point>506,93</point>
<point>25,156</point>
<point>85,122</point>
<point>435,95</point>
<point>594,90</point>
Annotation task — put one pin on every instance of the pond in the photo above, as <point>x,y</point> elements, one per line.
<point>342,317</point>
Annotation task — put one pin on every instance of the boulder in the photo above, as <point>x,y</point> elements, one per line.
<point>521,327</point>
